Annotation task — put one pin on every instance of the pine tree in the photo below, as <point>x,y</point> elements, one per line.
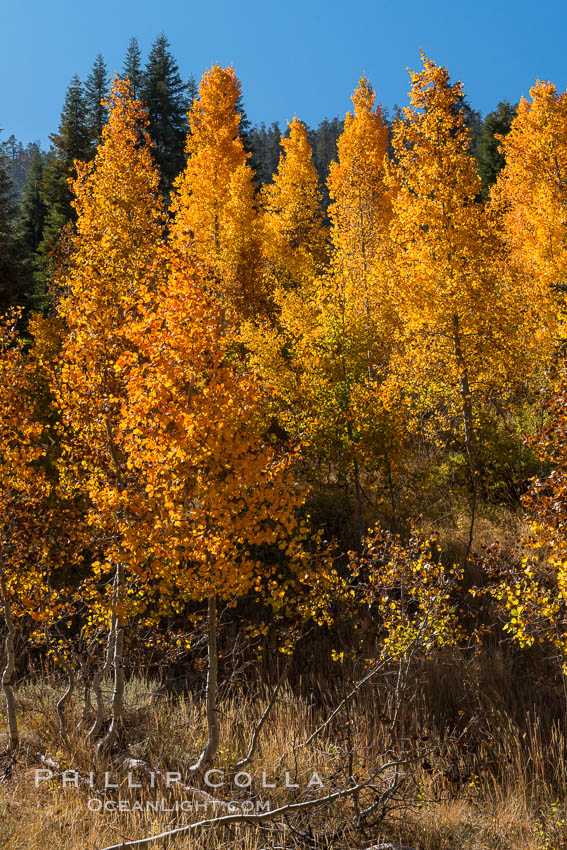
<point>472,120</point>
<point>323,141</point>
<point>192,92</point>
<point>32,211</point>
<point>10,282</point>
<point>490,157</point>
<point>95,92</point>
<point>71,142</point>
<point>273,150</point>
<point>165,96</point>
<point>265,151</point>
<point>16,160</point>
<point>30,225</point>
<point>245,126</point>
<point>132,70</point>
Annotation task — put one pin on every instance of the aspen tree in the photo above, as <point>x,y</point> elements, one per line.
<point>329,355</point>
<point>108,281</point>
<point>360,214</point>
<point>222,505</point>
<point>214,214</point>
<point>458,312</point>
<point>24,494</point>
<point>293,235</point>
<point>531,198</point>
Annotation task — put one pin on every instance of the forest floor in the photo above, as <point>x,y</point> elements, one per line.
<point>488,781</point>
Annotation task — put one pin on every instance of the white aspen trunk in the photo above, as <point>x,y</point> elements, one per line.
<point>100,674</point>
<point>212,675</point>
<point>468,424</point>
<point>118,670</point>
<point>62,702</point>
<point>9,672</point>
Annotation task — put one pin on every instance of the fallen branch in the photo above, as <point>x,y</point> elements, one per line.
<point>228,820</point>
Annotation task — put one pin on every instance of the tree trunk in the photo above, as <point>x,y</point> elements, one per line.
<point>62,702</point>
<point>391,490</point>
<point>358,493</point>
<point>86,685</point>
<point>100,674</point>
<point>468,424</point>
<point>212,719</point>
<point>118,670</point>
<point>9,672</point>
<point>357,488</point>
<point>466,399</point>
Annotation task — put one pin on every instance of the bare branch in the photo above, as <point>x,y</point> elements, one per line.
<point>372,672</point>
<point>256,733</point>
<point>228,820</point>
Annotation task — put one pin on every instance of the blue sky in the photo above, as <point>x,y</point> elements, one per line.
<point>299,56</point>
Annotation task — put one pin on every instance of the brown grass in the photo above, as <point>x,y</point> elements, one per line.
<point>494,778</point>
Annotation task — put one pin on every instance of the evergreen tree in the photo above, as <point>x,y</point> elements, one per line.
<point>192,92</point>
<point>265,151</point>
<point>16,162</point>
<point>95,92</point>
<point>245,126</point>
<point>472,120</point>
<point>70,142</point>
<point>133,67</point>
<point>30,225</point>
<point>273,149</point>
<point>32,206</point>
<point>490,159</point>
<point>323,143</point>
<point>10,149</point>
<point>10,282</point>
<point>165,95</point>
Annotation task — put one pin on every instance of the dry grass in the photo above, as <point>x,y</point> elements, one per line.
<point>491,783</point>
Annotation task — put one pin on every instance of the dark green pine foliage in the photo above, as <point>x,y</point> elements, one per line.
<point>245,127</point>
<point>192,91</point>
<point>265,150</point>
<point>11,284</point>
<point>71,141</point>
<point>472,120</point>
<point>96,88</point>
<point>273,149</point>
<point>17,161</point>
<point>323,141</point>
<point>30,225</point>
<point>490,159</point>
<point>265,147</point>
<point>132,70</point>
<point>165,95</point>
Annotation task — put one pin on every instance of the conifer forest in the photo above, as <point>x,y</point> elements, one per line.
<point>283,470</point>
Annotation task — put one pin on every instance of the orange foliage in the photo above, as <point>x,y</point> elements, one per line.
<point>294,238</point>
<point>214,211</point>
